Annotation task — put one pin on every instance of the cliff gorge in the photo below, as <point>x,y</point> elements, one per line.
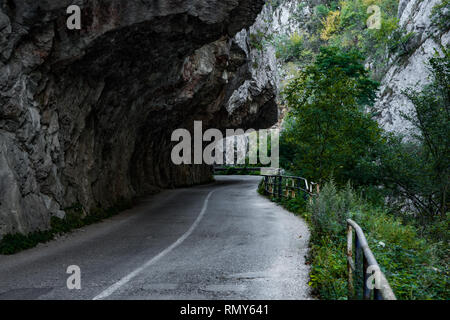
<point>86,115</point>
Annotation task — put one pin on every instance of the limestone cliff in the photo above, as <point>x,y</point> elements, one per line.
<point>86,115</point>
<point>408,69</point>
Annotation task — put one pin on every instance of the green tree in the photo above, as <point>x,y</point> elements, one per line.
<point>328,131</point>
<point>431,119</point>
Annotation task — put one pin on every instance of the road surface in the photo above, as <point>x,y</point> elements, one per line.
<point>216,241</point>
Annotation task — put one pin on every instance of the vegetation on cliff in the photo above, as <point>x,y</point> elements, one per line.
<point>344,24</point>
<point>399,184</point>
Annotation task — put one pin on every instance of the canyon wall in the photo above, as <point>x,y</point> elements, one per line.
<point>86,115</point>
<point>408,68</point>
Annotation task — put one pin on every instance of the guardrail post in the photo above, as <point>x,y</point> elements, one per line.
<point>357,251</point>
<point>270,186</point>
<point>265,184</point>
<point>279,187</point>
<point>294,190</point>
<point>273,186</point>
<point>270,183</point>
<point>357,266</point>
<point>366,290</point>
<point>349,262</point>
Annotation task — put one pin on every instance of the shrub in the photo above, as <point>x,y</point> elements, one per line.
<point>416,268</point>
<point>330,25</point>
<point>290,48</point>
<point>330,210</point>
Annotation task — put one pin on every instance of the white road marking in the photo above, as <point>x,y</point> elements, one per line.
<point>107,292</point>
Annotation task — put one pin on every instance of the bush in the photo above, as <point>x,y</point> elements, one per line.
<point>296,205</point>
<point>328,275</point>
<point>415,268</point>
<point>290,48</point>
<point>330,211</point>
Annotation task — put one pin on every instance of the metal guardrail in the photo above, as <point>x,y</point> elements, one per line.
<point>374,280</point>
<point>288,186</point>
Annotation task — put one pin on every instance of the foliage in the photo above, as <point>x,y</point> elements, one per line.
<point>399,41</point>
<point>300,48</point>
<point>290,48</point>
<point>256,40</point>
<point>321,11</point>
<point>416,268</point>
<point>261,189</point>
<point>343,24</point>
<point>320,140</point>
<point>330,25</point>
<point>440,15</point>
<point>275,3</point>
<point>12,243</point>
<point>372,42</point>
<point>330,211</point>
<point>328,132</point>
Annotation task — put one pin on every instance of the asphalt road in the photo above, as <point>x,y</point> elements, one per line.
<point>216,241</point>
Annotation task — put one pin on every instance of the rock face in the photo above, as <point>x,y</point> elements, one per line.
<point>86,115</point>
<point>409,69</point>
<point>261,89</point>
<point>268,73</point>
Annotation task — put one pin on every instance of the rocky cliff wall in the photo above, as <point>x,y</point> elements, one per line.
<point>409,69</point>
<point>86,115</point>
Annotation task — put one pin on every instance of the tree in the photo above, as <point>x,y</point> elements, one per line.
<point>417,168</point>
<point>328,131</point>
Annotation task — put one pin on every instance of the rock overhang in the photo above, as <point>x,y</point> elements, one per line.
<point>86,115</point>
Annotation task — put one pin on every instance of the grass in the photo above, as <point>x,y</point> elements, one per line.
<point>74,219</point>
<point>416,267</point>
